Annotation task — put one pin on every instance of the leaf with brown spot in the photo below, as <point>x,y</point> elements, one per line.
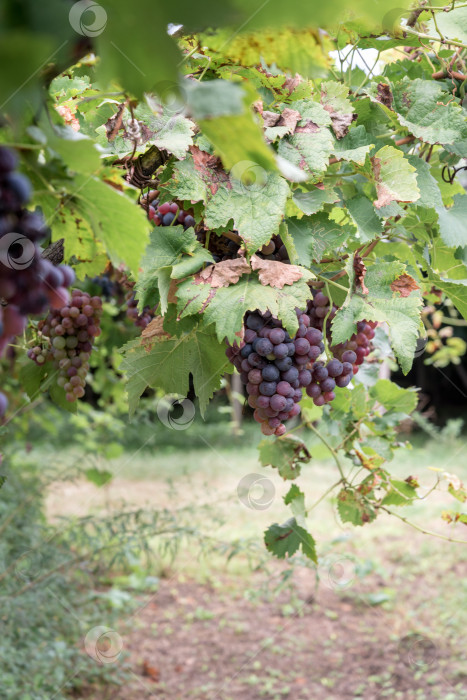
<point>384,95</point>
<point>276,274</point>
<point>405,285</point>
<point>154,329</point>
<point>223,273</point>
<point>360,272</point>
<point>172,295</point>
<point>209,167</point>
<point>341,123</point>
<point>291,83</point>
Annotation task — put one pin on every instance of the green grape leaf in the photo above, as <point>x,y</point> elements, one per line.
<point>186,182</point>
<point>430,195</point>
<point>301,51</point>
<point>354,508</point>
<point>452,222</point>
<point>456,292</point>
<point>311,202</point>
<point>111,215</point>
<point>295,498</point>
<point>226,306</point>
<point>395,178</point>
<point>428,111</point>
<point>99,477</point>
<point>401,493</point>
<point>334,98</point>
<point>363,215</point>
<point>354,146</point>
<point>393,397</point>
<point>401,313</point>
<point>452,24</point>
<point>166,363</point>
<point>256,210</point>
<point>170,131</point>
<point>284,540</point>
<point>287,454</point>
<point>315,236</point>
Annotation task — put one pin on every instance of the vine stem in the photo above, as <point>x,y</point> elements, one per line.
<point>428,37</point>
<point>323,496</point>
<point>330,448</point>
<point>326,279</point>
<point>421,529</point>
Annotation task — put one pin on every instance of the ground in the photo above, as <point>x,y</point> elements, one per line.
<point>387,617</point>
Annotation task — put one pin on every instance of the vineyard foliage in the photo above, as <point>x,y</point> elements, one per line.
<point>274,122</point>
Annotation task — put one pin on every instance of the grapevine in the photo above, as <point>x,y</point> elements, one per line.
<point>29,283</point>
<point>68,335</point>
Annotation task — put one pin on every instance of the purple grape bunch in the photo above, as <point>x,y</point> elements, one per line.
<point>353,350</point>
<point>68,335</point>
<point>275,367</point>
<point>29,283</point>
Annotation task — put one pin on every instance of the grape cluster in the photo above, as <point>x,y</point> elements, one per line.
<point>29,283</point>
<point>167,214</point>
<point>275,250</point>
<point>69,333</point>
<point>139,319</point>
<point>319,308</point>
<point>275,367</point>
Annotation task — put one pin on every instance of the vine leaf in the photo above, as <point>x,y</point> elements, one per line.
<point>284,540</point>
<point>315,236</point>
<point>363,214</point>
<point>428,111</point>
<point>226,306</point>
<point>154,329</point>
<point>353,507</point>
<point>354,146</point>
<point>334,100</point>
<point>404,285</point>
<point>295,498</point>
<point>172,253</point>
<point>457,292</point>
<point>402,314</point>
<point>166,363</point>
<point>276,274</point>
<point>452,222</point>
<point>256,210</point>
<point>287,454</point>
<point>395,178</point>
<point>311,144</point>
<point>224,273</point>
<point>400,493</point>
<point>314,200</point>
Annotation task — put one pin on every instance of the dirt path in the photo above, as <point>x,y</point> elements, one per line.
<point>193,641</point>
